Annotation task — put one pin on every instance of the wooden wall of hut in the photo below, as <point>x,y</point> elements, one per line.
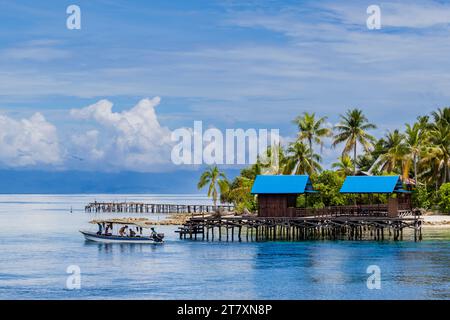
<point>405,201</point>
<point>276,205</point>
<point>392,207</point>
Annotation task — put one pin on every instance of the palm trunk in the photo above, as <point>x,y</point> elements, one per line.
<point>311,155</point>
<point>415,169</point>
<point>446,171</point>
<point>436,182</point>
<point>214,195</point>
<point>354,159</point>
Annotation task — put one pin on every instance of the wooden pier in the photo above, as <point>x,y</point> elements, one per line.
<point>299,228</point>
<point>137,207</point>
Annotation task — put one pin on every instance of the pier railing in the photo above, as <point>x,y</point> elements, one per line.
<point>337,211</point>
<point>374,210</point>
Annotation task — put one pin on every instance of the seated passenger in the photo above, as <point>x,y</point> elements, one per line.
<point>108,226</point>
<point>122,231</point>
<point>132,233</point>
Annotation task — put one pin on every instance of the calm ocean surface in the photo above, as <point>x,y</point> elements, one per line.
<point>40,239</point>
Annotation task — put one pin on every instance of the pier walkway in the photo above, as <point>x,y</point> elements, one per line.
<point>137,207</point>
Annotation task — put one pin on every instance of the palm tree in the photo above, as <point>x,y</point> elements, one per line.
<point>273,160</point>
<point>312,130</point>
<point>442,115</point>
<point>394,151</point>
<point>430,160</point>
<point>435,155</point>
<point>440,140</point>
<point>344,166</point>
<point>423,122</point>
<point>213,177</point>
<point>352,130</point>
<point>414,138</point>
<point>240,190</point>
<point>300,161</point>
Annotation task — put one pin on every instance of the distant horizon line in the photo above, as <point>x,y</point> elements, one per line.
<point>100,194</point>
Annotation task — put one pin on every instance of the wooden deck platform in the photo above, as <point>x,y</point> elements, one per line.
<point>300,228</point>
<point>137,207</point>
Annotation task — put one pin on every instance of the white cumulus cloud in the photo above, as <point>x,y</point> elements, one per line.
<point>85,144</point>
<point>28,142</point>
<point>132,139</point>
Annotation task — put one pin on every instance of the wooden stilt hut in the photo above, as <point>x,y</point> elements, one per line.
<point>399,200</point>
<point>277,194</point>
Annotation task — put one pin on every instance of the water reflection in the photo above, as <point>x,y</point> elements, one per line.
<point>338,270</point>
<point>123,248</point>
<point>43,239</point>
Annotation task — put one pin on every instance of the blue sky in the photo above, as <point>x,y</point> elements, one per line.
<point>231,64</point>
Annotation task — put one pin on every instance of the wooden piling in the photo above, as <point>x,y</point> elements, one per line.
<point>305,228</point>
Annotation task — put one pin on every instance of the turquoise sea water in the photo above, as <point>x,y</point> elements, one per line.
<point>39,240</point>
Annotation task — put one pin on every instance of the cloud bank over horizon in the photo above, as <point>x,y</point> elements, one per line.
<point>129,140</point>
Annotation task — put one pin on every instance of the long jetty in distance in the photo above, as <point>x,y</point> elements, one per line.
<point>139,207</point>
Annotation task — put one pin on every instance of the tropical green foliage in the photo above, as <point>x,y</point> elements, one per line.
<point>329,183</point>
<point>444,197</point>
<point>240,196</point>
<point>420,154</point>
<point>345,166</point>
<point>422,198</point>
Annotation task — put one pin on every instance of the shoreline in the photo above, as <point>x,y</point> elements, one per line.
<point>436,221</point>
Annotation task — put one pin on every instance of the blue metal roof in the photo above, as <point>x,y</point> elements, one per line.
<point>294,184</point>
<point>372,184</point>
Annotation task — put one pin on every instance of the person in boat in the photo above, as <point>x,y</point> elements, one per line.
<point>122,231</point>
<point>100,229</point>
<point>132,233</point>
<point>155,235</point>
<point>108,226</point>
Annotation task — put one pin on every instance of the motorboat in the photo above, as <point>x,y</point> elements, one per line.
<point>124,230</point>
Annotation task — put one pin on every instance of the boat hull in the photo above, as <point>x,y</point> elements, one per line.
<point>91,236</point>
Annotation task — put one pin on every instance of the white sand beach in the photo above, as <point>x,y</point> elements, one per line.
<point>436,221</point>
